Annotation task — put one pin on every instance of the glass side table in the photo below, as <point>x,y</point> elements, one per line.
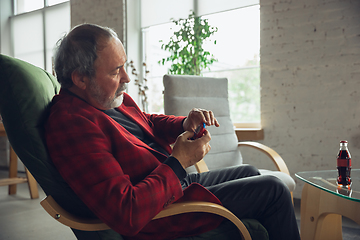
<point>323,204</point>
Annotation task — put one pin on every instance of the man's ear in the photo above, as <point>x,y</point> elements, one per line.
<point>79,80</point>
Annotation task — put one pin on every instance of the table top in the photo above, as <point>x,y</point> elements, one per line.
<point>326,180</point>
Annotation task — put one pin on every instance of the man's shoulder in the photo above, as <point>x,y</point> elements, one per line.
<point>65,106</point>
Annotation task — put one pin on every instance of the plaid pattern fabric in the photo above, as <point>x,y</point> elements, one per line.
<point>120,178</point>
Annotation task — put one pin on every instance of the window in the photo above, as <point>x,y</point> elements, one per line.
<point>22,6</point>
<point>36,29</point>
<point>153,54</point>
<point>54,2</point>
<point>238,54</point>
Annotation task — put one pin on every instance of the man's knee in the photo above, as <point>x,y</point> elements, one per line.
<point>276,185</point>
<point>250,170</point>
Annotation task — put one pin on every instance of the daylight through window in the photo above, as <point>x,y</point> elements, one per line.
<point>238,53</point>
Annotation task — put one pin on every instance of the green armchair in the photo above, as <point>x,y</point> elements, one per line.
<point>25,96</point>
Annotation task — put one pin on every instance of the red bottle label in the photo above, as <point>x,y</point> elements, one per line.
<point>344,162</point>
<point>343,159</point>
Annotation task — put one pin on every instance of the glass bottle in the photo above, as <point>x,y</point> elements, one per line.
<point>344,165</point>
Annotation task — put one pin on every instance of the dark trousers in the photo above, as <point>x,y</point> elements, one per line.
<point>247,194</point>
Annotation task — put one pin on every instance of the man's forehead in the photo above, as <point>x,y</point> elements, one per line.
<point>111,55</point>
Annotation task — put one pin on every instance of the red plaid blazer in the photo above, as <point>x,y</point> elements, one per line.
<point>121,179</point>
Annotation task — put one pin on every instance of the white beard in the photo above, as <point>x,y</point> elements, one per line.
<point>103,100</point>
<point>117,101</point>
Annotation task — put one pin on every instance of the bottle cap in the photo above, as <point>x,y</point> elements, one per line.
<point>343,141</point>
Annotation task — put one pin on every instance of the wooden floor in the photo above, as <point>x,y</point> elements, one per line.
<point>23,218</point>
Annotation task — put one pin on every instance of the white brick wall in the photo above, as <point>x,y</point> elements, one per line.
<point>310,81</point>
<point>105,13</point>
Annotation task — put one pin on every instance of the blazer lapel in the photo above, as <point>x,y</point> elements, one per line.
<point>133,114</point>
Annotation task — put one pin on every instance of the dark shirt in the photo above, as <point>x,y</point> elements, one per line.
<point>135,129</point>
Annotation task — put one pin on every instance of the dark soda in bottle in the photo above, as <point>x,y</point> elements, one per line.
<point>344,165</point>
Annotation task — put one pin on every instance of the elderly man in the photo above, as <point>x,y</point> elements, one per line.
<point>118,159</point>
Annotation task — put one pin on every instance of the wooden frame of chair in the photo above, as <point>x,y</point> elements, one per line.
<point>70,220</point>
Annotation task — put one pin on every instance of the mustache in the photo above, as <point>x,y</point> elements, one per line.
<point>122,87</point>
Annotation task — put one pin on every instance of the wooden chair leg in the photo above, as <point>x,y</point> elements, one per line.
<point>33,188</point>
<point>12,170</point>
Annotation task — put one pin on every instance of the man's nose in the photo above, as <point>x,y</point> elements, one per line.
<point>124,77</point>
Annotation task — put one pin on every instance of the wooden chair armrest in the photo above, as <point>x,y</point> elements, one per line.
<point>201,166</point>
<point>207,207</point>
<point>274,156</point>
<point>70,220</point>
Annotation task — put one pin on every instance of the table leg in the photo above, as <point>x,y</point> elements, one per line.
<point>321,214</point>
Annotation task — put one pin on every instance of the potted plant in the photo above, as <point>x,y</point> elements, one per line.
<point>186,46</point>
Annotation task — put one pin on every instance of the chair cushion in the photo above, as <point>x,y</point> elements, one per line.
<point>25,94</point>
<point>287,179</point>
<point>183,92</point>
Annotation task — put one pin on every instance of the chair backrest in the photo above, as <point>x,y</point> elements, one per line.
<point>25,95</point>
<point>183,92</point>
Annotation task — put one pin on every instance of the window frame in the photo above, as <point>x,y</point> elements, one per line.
<point>144,29</point>
<point>43,12</point>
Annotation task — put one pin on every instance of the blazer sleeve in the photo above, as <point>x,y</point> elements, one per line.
<point>83,153</point>
<point>168,127</point>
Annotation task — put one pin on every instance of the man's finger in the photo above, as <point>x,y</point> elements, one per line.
<point>187,134</point>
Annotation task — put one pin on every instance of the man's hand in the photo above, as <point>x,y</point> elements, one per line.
<point>197,116</point>
<point>188,152</point>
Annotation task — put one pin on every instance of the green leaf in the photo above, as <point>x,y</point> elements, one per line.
<point>185,46</point>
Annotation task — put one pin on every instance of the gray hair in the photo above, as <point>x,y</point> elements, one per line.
<point>77,51</point>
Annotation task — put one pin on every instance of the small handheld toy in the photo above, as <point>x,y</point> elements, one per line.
<point>199,131</point>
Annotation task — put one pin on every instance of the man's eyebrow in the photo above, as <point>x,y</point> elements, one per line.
<point>118,67</point>
<point>121,65</point>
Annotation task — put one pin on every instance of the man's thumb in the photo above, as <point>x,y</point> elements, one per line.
<point>188,134</point>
